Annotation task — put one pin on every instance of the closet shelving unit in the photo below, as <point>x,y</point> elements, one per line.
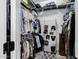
<point>63,6</point>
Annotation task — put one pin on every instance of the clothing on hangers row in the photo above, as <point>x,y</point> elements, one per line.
<point>31,44</point>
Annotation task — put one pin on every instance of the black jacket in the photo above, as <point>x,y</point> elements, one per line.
<point>35,43</point>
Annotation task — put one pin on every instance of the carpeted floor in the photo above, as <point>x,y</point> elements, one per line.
<point>61,57</point>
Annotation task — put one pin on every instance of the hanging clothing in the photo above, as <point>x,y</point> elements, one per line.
<point>26,22</point>
<point>68,33</point>
<point>27,45</point>
<point>22,22</point>
<point>72,36</point>
<point>30,39</point>
<point>38,42</point>
<point>37,26</point>
<point>25,49</point>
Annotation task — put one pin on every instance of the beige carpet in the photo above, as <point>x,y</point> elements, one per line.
<point>61,57</point>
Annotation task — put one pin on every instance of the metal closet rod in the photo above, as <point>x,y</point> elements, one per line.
<point>51,8</point>
<point>58,7</point>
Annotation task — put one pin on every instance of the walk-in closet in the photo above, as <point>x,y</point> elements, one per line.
<point>39,29</point>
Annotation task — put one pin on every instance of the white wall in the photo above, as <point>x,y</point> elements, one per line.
<point>50,18</point>
<point>2,27</point>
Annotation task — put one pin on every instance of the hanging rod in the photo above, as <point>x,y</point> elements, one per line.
<point>53,8</point>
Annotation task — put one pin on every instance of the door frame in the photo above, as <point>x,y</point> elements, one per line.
<point>15,27</point>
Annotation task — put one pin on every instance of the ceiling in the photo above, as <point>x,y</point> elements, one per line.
<point>39,0</point>
<point>57,2</point>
